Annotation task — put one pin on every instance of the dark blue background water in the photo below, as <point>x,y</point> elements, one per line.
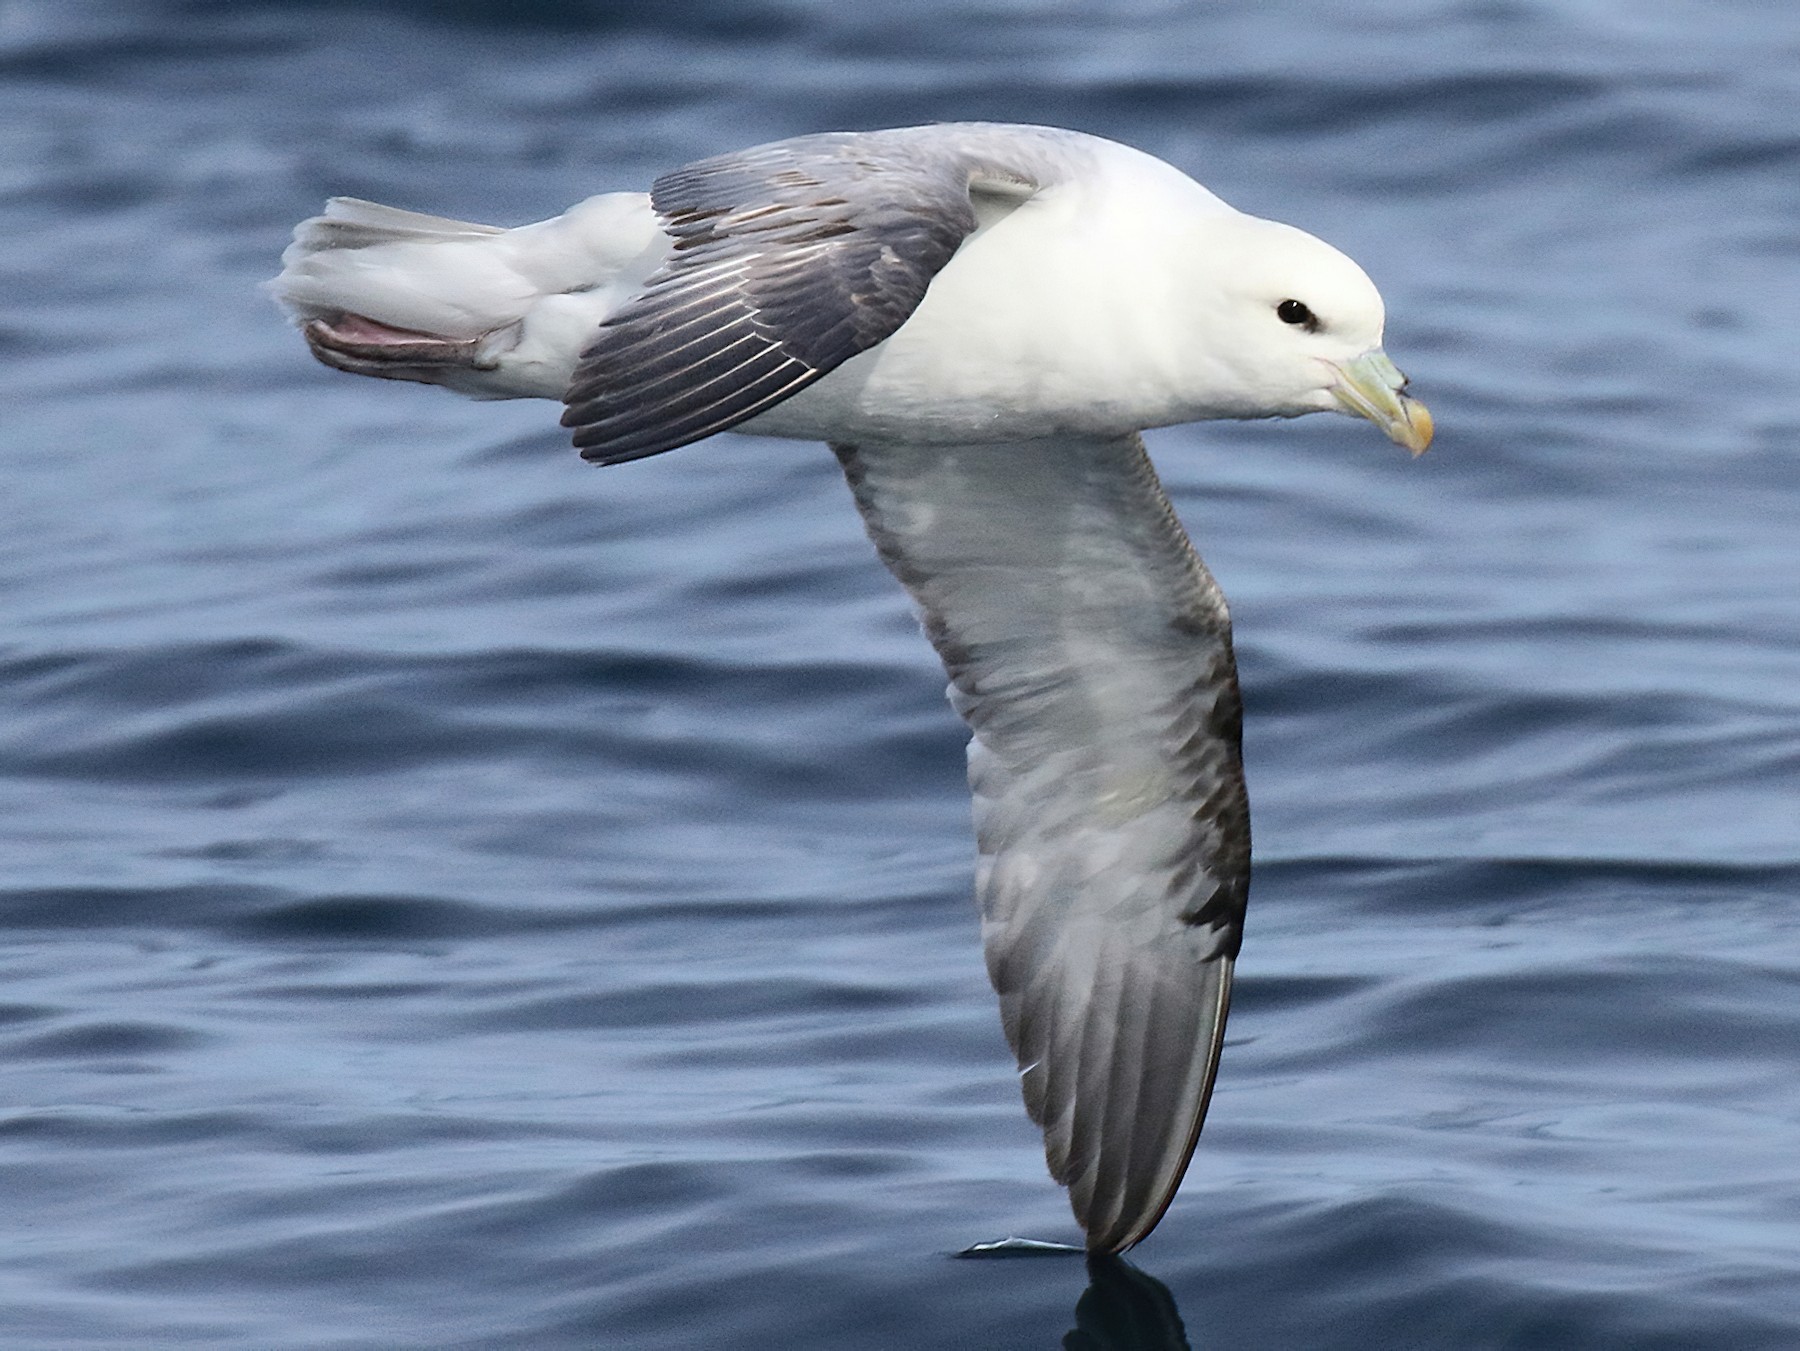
<point>455,898</point>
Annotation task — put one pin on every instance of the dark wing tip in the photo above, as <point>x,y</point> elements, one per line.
<point>1125,1215</point>
<point>648,418</point>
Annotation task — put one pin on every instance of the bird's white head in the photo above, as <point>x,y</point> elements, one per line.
<point>1292,326</point>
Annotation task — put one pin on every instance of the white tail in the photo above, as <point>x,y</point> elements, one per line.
<point>489,312</point>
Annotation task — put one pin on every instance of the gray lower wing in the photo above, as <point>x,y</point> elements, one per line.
<point>1090,652</point>
<point>788,260</point>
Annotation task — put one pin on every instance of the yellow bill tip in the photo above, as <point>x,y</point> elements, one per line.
<point>1413,429</point>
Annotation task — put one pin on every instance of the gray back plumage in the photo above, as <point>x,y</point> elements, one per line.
<point>788,260</point>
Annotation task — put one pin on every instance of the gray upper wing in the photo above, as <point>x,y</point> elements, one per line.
<point>1090,652</point>
<point>788,260</point>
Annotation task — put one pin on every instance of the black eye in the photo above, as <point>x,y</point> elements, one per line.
<point>1295,312</point>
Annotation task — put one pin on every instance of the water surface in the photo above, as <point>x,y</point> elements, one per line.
<point>455,898</point>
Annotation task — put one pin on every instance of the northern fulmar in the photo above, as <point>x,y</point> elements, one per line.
<point>979,319</point>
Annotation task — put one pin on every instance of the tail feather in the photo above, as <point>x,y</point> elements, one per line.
<point>489,312</point>
<point>401,269</point>
<point>352,223</point>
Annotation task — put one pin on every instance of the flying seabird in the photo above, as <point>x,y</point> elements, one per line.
<point>979,319</point>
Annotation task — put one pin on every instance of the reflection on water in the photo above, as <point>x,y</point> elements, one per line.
<point>1125,1309</point>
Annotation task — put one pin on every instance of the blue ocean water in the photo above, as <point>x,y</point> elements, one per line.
<point>451,897</point>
